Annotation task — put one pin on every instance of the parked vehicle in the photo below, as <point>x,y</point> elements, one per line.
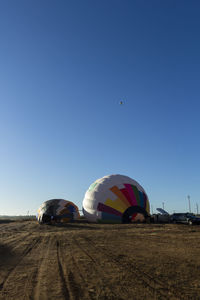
<point>194,220</point>
<point>158,218</point>
<point>185,218</point>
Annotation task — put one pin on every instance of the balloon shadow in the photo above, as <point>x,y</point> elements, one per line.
<point>6,254</point>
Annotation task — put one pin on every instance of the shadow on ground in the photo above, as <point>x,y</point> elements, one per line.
<point>92,226</point>
<point>6,221</point>
<point>6,254</point>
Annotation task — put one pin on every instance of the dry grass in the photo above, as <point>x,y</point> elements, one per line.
<point>94,261</point>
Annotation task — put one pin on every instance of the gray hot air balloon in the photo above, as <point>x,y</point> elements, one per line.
<point>57,211</point>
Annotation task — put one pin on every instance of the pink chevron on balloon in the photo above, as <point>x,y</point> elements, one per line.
<point>126,194</point>
<point>131,195</point>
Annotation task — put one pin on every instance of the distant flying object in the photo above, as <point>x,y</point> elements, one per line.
<point>121,102</point>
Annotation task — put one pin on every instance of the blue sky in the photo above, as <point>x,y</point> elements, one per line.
<point>64,67</point>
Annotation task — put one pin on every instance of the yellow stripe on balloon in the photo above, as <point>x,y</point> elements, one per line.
<point>117,204</point>
<point>147,206</point>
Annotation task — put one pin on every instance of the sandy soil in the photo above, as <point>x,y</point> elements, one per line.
<point>95,261</point>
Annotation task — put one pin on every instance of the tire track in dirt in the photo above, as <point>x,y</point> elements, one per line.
<point>37,257</point>
<point>43,260</point>
<point>14,239</point>
<point>50,282</point>
<point>14,269</point>
<point>157,288</point>
<point>65,290</point>
<point>31,282</point>
<point>101,279</point>
<point>71,277</point>
<point>80,275</point>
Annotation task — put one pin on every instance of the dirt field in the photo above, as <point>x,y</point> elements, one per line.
<point>93,261</point>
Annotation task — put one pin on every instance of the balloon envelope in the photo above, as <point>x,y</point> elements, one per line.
<point>115,199</point>
<point>57,211</point>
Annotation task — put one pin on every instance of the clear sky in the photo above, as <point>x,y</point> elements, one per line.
<point>64,67</point>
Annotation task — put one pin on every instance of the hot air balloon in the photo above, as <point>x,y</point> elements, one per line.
<point>115,199</point>
<point>57,211</point>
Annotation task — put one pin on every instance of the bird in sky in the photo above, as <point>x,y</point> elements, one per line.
<point>121,102</point>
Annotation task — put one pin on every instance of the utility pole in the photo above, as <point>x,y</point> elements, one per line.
<point>197,207</point>
<point>152,209</point>
<point>189,203</point>
<point>163,205</point>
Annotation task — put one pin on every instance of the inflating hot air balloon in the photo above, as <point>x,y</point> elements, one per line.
<point>57,211</point>
<point>115,199</point>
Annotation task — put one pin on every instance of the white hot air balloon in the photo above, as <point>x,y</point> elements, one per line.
<point>115,199</point>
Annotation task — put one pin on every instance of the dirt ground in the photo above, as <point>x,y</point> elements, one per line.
<point>95,261</point>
